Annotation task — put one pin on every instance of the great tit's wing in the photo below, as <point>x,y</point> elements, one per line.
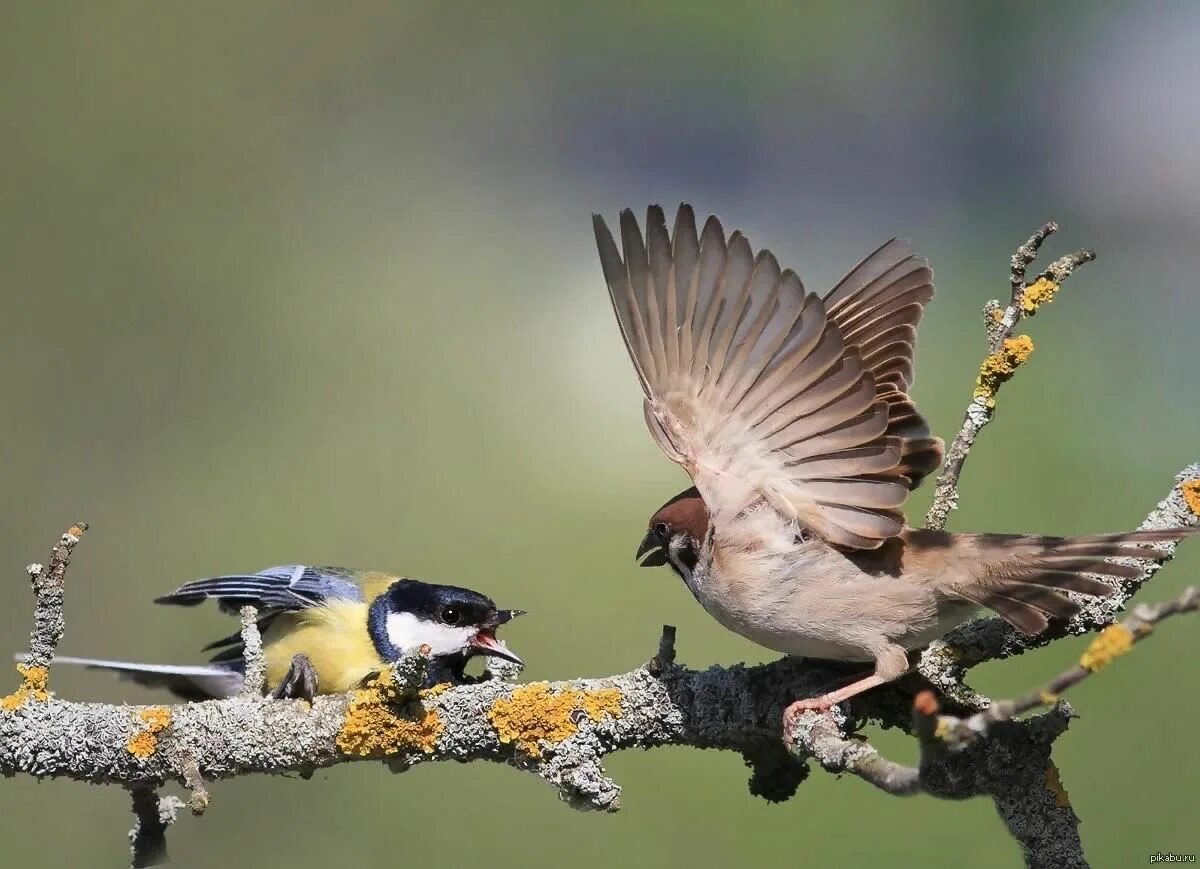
<point>878,306</point>
<point>234,640</point>
<point>189,683</point>
<point>287,587</point>
<point>749,382</point>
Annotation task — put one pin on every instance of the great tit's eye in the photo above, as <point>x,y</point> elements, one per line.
<point>661,530</point>
<point>450,615</point>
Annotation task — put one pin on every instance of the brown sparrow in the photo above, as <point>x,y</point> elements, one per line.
<point>790,412</point>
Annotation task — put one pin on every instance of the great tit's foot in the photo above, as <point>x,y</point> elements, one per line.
<point>300,681</point>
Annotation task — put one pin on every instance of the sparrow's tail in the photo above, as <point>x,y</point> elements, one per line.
<point>1025,579</point>
<point>211,682</point>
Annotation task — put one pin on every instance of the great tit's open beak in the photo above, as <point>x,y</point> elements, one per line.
<point>653,550</point>
<point>503,616</point>
<point>485,641</point>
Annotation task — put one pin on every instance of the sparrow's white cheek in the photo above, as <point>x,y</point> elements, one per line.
<point>406,631</point>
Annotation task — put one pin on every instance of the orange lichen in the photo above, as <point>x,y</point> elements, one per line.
<point>1000,366</point>
<point>157,718</point>
<point>381,720</point>
<point>997,315</point>
<point>32,687</point>
<point>143,743</point>
<point>1055,786</point>
<point>1191,494</point>
<point>1037,294</point>
<point>534,714</point>
<point>1114,641</point>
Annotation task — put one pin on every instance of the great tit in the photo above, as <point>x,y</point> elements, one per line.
<point>326,629</point>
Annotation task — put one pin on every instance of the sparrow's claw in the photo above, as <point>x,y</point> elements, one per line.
<point>827,701</point>
<point>300,681</point>
<point>820,704</point>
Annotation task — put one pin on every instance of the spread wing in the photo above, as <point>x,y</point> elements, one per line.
<point>288,587</point>
<point>750,384</point>
<point>877,307</point>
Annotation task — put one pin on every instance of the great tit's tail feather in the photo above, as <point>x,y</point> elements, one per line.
<point>187,682</point>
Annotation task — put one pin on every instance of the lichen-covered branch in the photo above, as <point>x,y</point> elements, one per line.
<point>990,753</point>
<point>1005,354</point>
<point>151,817</point>
<point>47,581</point>
<point>945,661</point>
<point>1112,642</point>
<point>823,737</point>
<point>252,652</point>
<point>561,731</point>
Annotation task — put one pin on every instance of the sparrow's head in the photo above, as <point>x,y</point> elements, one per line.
<point>676,533</point>
<point>451,621</point>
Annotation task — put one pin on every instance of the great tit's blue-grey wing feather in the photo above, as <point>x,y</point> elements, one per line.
<point>286,587</point>
<point>235,639</point>
<point>189,683</point>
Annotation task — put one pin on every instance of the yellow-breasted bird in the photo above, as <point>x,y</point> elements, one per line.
<point>326,629</point>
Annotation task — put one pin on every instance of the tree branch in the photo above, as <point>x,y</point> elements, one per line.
<point>945,662</point>
<point>1005,355</point>
<point>561,731</point>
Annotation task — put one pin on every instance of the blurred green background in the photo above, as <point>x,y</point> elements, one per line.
<point>313,282</point>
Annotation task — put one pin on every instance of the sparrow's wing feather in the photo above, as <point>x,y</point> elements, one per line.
<point>287,587</point>
<point>878,306</point>
<point>749,384</point>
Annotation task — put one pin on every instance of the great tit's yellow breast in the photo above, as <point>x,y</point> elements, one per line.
<point>335,639</point>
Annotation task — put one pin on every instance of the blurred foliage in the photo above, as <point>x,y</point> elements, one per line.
<point>304,282</point>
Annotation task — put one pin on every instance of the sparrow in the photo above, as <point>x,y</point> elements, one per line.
<point>791,413</point>
<point>326,629</point>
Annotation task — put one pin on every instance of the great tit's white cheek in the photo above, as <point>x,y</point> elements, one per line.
<point>406,631</point>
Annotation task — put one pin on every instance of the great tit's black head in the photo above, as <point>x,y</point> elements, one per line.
<point>448,619</point>
<point>677,530</point>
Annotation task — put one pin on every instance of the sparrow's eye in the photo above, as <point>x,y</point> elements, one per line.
<point>661,530</point>
<point>450,615</point>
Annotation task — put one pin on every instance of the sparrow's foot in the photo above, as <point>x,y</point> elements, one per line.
<point>826,702</point>
<point>300,681</point>
<point>820,704</point>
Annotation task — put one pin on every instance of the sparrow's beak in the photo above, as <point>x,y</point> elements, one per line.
<point>485,641</point>
<point>653,550</point>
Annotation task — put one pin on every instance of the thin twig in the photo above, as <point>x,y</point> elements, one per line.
<point>1023,256</point>
<point>665,656</point>
<point>195,783</point>
<point>252,652</point>
<point>945,662</point>
<point>1113,641</point>
<point>48,584</point>
<point>1005,355</point>
<point>818,735</point>
<point>151,817</point>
